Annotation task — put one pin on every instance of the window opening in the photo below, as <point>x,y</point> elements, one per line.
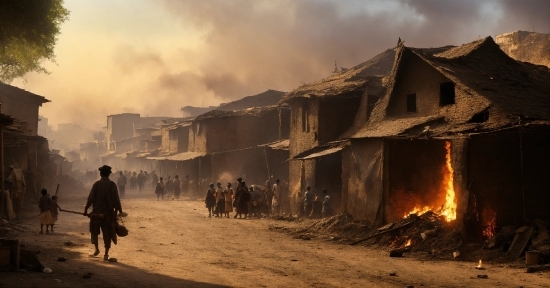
<point>411,103</point>
<point>446,94</point>
<point>305,120</point>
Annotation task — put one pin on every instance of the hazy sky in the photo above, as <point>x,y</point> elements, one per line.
<point>155,56</point>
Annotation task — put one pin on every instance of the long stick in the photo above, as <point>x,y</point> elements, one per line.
<point>57,189</point>
<point>74,212</point>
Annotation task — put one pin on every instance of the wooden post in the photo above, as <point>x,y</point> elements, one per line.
<point>2,148</point>
<point>521,168</point>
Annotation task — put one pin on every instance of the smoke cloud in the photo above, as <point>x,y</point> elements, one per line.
<point>205,52</point>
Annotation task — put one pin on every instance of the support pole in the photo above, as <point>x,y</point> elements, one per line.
<point>521,167</point>
<point>2,148</point>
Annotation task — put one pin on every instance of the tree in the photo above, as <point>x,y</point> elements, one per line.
<point>28,34</point>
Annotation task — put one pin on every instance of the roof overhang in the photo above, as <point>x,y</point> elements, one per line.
<point>324,150</point>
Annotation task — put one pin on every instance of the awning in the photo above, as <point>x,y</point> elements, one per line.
<point>323,150</point>
<point>109,153</point>
<point>127,154</point>
<point>179,156</point>
<point>144,154</point>
<point>279,145</point>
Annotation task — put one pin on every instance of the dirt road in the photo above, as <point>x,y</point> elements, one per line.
<point>174,244</point>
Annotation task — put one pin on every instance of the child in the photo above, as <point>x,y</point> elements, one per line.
<point>54,210</point>
<point>45,204</point>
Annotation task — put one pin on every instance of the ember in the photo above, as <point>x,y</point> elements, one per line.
<point>408,243</point>
<point>491,224</point>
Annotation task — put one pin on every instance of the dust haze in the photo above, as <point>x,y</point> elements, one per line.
<point>238,48</point>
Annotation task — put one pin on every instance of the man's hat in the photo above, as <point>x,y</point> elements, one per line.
<point>105,169</point>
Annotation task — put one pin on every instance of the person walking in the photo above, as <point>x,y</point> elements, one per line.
<point>121,183</point>
<point>159,190</point>
<point>105,201</point>
<point>210,200</point>
<point>243,197</point>
<point>140,180</point>
<point>326,211</point>
<point>276,200</point>
<point>45,205</point>
<point>220,200</point>
<point>308,202</point>
<point>228,200</point>
<point>176,186</point>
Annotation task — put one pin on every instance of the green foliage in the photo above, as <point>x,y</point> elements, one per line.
<point>28,34</point>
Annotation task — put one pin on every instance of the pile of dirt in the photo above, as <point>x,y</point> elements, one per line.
<point>340,228</point>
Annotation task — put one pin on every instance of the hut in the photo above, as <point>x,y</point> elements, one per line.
<point>463,133</point>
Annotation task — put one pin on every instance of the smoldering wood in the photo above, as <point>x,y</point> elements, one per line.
<point>384,232</point>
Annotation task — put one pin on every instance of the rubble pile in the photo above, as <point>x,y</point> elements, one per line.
<point>430,235</point>
<point>534,238</point>
<point>341,226</point>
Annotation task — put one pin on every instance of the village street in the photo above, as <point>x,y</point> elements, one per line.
<point>174,244</point>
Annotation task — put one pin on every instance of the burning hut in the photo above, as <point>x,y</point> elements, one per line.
<point>323,116</point>
<point>463,133</point>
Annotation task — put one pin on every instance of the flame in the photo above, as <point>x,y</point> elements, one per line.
<point>408,243</point>
<point>490,228</point>
<point>418,211</point>
<point>479,265</point>
<point>449,209</point>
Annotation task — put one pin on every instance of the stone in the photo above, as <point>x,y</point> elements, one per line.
<point>482,276</point>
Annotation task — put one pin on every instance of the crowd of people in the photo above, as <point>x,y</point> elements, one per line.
<point>256,201</point>
<point>162,187</point>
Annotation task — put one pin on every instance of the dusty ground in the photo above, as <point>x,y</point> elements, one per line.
<point>174,244</point>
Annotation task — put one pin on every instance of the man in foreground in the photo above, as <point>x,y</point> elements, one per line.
<point>106,203</point>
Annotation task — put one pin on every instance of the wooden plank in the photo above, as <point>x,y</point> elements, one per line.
<point>518,245</point>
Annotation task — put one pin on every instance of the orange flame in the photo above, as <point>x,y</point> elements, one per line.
<point>449,209</point>
<point>418,211</point>
<point>408,243</point>
<point>479,265</point>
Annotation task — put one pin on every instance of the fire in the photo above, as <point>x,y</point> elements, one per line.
<point>449,209</point>
<point>418,211</point>
<point>479,265</point>
<point>408,243</point>
<point>490,228</point>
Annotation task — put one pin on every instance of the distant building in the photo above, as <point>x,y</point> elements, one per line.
<point>22,105</point>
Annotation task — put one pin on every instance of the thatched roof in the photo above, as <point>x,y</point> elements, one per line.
<point>354,79</point>
<point>256,111</point>
<point>496,85</point>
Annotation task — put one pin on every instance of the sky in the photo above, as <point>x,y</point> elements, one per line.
<point>153,57</point>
